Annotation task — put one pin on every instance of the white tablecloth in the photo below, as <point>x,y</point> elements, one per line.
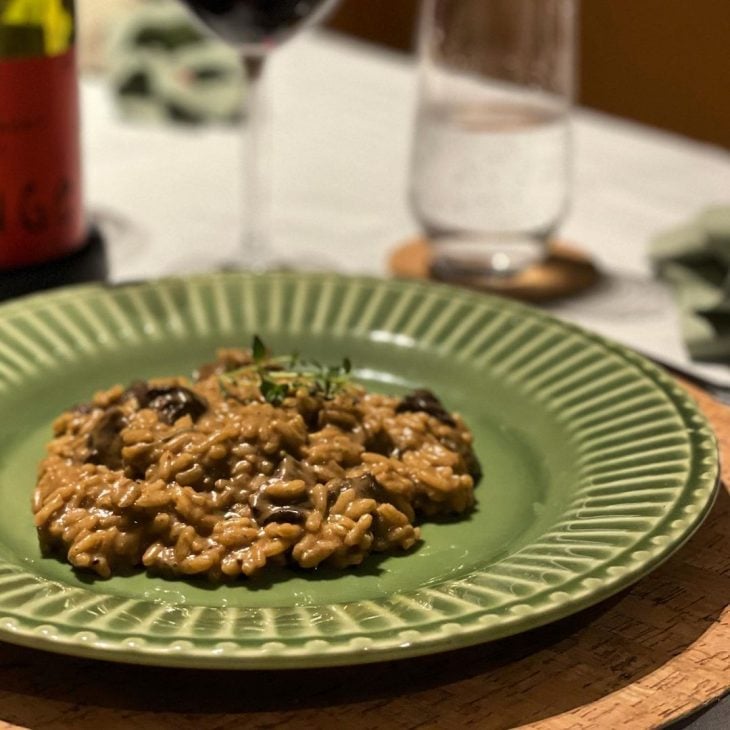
<point>342,115</point>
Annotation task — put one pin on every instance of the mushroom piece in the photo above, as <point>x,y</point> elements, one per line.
<point>104,441</point>
<point>381,442</point>
<point>171,403</point>
<point>267,509</point>
<point>292,515</point>
<point>425,401</point>
<point>365,486</point>
<point>290,469</point>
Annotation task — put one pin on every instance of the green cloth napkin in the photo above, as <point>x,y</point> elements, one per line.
<point>694,259</point>
<point>164,67</point>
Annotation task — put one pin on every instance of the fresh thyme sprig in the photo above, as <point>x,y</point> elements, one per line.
<point>281,377</point>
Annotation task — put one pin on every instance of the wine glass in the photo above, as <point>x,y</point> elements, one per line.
<point>255,28</point>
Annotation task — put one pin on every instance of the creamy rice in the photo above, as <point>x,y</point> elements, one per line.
<point>245,466</point>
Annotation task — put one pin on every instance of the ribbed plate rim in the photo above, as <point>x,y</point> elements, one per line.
<point>168,651</point>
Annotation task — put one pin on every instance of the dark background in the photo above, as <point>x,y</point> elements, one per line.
<point>665,63</point>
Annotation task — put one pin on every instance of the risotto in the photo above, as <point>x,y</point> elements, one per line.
<point>255,461</point>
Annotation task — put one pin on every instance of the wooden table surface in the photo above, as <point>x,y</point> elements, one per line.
<point>640,659</point>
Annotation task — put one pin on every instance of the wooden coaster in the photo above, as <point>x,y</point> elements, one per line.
<point>565,272</point>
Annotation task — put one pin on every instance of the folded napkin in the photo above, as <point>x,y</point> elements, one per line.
<point>164,67</point>
<point>694,259</point>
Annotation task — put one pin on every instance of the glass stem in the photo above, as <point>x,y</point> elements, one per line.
<point>256,174</point>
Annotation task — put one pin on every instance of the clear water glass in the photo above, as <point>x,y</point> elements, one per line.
<point>491,158</point>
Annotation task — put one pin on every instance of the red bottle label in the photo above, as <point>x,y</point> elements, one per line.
<point>40,164</point>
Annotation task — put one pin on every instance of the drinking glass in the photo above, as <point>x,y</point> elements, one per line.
<point>490,172</point>
<point>255,28</point>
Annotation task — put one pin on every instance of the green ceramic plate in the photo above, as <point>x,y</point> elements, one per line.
<point>597,467</point>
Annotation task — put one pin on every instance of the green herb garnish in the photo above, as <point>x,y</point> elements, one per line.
<point>258,350</point>
<point>281,377</point>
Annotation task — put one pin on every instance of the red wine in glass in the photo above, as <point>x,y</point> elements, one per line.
<point>257,25</point>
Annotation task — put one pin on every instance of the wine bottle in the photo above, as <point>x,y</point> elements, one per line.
<point>41,209</point>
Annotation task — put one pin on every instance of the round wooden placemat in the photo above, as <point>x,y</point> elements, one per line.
<point>652,654</point>
<point>566,271</point>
